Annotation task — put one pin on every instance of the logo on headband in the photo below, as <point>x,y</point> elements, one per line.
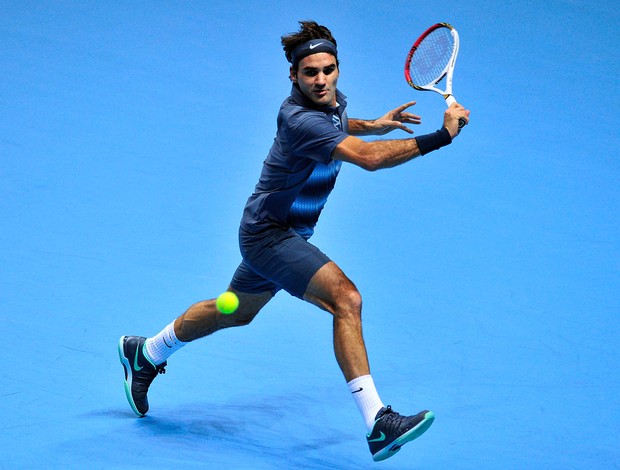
<point>312,47</point>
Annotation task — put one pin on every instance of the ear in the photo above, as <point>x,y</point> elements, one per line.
<point>292,75</point>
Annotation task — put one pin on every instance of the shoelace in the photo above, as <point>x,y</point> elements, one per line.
<point>389,412</point>
<point>391,418</point>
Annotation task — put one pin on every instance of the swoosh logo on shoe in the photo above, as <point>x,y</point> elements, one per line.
<point>312,46</point>
<point>381,438</point>
<point>135,363</point>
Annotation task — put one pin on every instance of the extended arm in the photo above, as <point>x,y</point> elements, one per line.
<point>389,153</point>
<point>394,119</point>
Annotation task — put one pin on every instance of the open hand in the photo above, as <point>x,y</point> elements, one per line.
<point>396,119</point>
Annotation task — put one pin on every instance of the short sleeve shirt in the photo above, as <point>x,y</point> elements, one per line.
<point>298,173</point>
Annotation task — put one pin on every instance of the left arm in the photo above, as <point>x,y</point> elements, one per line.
<point>394,119</point>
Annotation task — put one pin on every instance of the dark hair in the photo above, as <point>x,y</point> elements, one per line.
<point>308,30</point>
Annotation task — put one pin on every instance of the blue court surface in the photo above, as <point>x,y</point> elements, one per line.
<point>131,135</point>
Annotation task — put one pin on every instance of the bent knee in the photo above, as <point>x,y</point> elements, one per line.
<point>349,304</point>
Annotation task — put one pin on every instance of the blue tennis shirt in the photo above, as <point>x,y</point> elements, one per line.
<point>298,173</point>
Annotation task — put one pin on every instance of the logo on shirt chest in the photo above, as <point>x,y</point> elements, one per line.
<point>336,121</point>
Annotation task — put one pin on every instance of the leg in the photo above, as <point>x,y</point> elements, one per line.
<point>203,319</point>
<point>199,320</point>
<point>331,290</point>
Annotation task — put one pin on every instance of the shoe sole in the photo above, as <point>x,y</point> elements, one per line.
<point>128,376</point>
<point>389,450</point>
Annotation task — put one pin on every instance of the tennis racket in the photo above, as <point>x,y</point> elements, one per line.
<point>432,59</point>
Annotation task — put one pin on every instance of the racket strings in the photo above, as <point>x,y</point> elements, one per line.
<point>432,56</point>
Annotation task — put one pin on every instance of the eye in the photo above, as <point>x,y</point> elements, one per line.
<point>329,70</point>
<point>310,72</point>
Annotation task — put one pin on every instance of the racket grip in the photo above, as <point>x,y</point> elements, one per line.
<point>450,100</point>
<point>462,123</point>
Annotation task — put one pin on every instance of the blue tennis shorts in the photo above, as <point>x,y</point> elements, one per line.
<point>276,259</point>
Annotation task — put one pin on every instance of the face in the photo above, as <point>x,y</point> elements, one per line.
<point>317,76</point>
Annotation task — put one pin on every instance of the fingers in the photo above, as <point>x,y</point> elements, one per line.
<point>398,112</point>
<point>402,107</point>
<point>410,118</point>
<point>403,127</point>
<point>396,119</point>
<point>400,125</point>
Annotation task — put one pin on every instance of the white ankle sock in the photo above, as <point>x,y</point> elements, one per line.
<point>161,346</point>
<point>366,397</point>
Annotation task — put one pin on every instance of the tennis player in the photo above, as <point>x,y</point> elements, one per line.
<point>314,137</point>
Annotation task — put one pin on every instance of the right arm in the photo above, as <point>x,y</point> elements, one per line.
<point>373,156</point>
<point>380,154</point>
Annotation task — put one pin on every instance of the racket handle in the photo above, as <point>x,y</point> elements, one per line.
<point>449,101</point>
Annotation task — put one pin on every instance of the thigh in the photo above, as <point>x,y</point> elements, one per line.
<point>247,281</point>
<point>286,259</point>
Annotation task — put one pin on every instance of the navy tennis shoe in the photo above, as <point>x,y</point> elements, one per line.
<point>391,431</point>
<point>139,372</point>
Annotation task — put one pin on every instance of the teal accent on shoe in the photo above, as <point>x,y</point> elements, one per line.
<point>409,436</point>
<point>381,438</point>
<point>135,363</point>
<point>128,374</point>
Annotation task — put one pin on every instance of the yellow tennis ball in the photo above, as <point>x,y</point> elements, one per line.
<point>227,302</point>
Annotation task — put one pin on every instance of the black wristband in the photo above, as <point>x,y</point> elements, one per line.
<point>429,142</point>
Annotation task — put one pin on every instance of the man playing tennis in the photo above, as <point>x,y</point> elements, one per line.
<point>314,137</point>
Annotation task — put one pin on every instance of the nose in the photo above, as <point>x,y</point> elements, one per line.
<point>321,79</point>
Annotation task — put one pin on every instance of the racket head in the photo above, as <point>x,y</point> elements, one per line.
<point>432,57</point>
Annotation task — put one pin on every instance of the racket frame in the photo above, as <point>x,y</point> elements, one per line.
<point>448,70</point>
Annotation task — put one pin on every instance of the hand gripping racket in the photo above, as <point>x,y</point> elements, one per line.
<point>432,58</point>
